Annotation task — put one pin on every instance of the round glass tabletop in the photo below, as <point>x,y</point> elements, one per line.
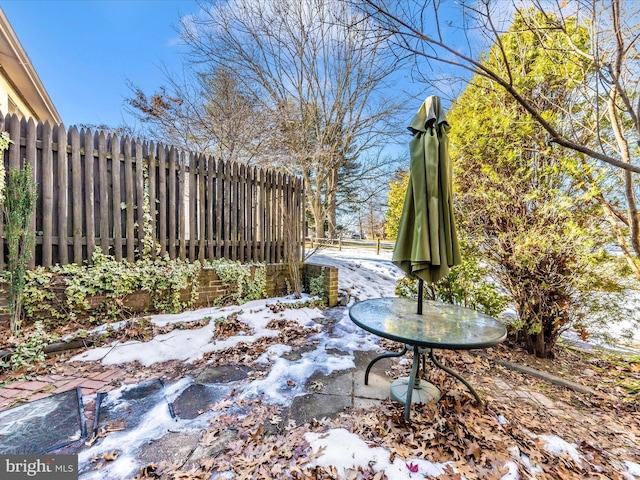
<point>441,325</point>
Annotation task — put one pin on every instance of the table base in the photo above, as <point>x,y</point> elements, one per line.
<point>420,394</point>
<point>400,392</point>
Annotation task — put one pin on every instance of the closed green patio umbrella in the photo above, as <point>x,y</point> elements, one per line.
<point>427,244</point>
<point>426,248</point>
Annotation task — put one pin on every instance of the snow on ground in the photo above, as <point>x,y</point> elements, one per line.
<point>156,423</point>
<point>171,346</point>
<point>190,345</point>
<point>345,450</point>
<point>362,275</point>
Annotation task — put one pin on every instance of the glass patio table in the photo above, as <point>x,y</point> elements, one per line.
<point>439,326</point>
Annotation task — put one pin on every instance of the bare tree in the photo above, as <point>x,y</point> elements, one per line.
<point>203,112</point>
<point>313,66</point>
<point>601,122</point>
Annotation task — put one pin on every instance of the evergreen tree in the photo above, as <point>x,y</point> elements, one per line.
<point>397,192</point>
<point>519,199</point>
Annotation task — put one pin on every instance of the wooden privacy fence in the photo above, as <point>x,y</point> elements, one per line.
<point>92,189</point>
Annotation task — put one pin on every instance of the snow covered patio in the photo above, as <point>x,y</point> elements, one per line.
<point>267,390</point>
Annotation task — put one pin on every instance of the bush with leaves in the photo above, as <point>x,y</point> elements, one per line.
<point>246,281</point>
<point>28,352</point>
<point>467,285</point>
<point>63,293</point>
<point>524,203</point>
<point>316,285</point>
<point>18,202</point>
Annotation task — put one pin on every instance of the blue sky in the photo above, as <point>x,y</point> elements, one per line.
<point>85,50</point>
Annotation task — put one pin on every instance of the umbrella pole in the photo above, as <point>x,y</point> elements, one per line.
<point>420,293</point>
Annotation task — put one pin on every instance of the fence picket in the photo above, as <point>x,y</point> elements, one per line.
<point>150,153</point>
<point>60,194</point>
<point>104,193</point>
<point>139,192</point>
<point>76,194</point>
<point>251,208</point>
<point>202,207</point>
<point>226,204</point>
<point>32,160</point>
<point>242,219</point>
<point>89,187</point>
<point>47,195</point>
<point>129,199</point>
<point>173,207</point>
<point>193,205</point>
<point>268,201</point>
<point>182,221</point>
<point>233,205</point>
<point>162,198</point>
<point>279,218</point>
<point>260,215</point>
<point>116,199</point>
<point>210,207</point>
<point>219,208</point>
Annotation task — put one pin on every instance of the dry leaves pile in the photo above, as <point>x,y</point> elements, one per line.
<point>481,442</point>
<point>290,333</point>
<point>475,439</point>
<point>229,327</point>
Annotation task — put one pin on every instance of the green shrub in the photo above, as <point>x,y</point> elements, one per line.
<point>466,285</point>
<point>246,281</point>
<point>18,202</point>
<point>62,293</point>
<point>316,285</point>
<point>29,353</point>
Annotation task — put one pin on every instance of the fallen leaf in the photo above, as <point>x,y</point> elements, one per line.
<point>110,456</point>
<point>474,450</point>
<point>413,468</point>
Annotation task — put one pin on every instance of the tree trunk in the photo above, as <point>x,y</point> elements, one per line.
<point>332,187</point>
<point>632,259</point>
<point>537,345</point>
<point>633,218</point>
<point>315,205</point>
<point>318,216</point>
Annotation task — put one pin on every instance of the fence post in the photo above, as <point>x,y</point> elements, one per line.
<point>340,244</point>
<point>378,246</point>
